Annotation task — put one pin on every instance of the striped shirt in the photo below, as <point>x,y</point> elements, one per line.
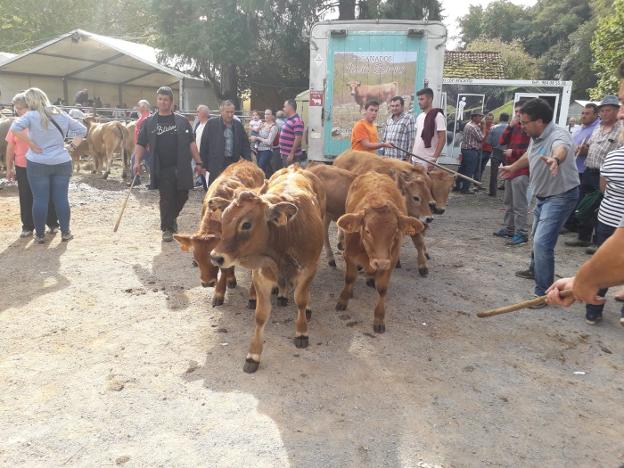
<point>601,143</point>
<point>292,128</point>
<point>612,206</point>
<point>401,132</point>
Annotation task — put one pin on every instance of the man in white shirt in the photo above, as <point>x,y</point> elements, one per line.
<point>203,114</point>
<point>430,130</point>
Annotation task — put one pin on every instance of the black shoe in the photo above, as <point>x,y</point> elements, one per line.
<point>577,243</point>
<point>591,250</point>
<point>167,236</point>
<point>541,305</point>
<point>592,318</point>
<point>526,274</point>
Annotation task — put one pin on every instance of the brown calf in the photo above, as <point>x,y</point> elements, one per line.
<point>364,93</point>
<point>279,235</point>
<point>374,224</point>
<point>242,175</point>
<point>105,139</point>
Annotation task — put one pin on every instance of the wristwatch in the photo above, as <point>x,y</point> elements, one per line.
<point>558,161</point>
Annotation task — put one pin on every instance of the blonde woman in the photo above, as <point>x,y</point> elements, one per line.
<point>49,164</point>
<point>264,140</point>
<point>16,169</point>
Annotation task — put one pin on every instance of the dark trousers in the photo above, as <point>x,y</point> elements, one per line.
<point>603,232</point>
<point>468,167</point>
<point>26,203</point>
<point>495,162</point>
<point>264,161</point>
<point>172,199</point>
<point>276,160</point>
<point>483,160</point>
<point>590,182</point>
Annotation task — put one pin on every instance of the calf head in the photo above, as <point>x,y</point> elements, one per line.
<point>354,85</point>
<point>246,226</point>
<point>415,189</point>
<point>381,229</point>
<point>442,182</point>
<point>201,245</point>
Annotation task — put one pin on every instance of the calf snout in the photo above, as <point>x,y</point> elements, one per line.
<point>216,259</point>
<point>428,219</point>
<point>380,264</point>
<point>437,210</point>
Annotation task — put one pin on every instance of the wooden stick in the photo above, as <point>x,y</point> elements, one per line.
<point>451,171</point>
<point>123,207</point>
<point>520,305</point>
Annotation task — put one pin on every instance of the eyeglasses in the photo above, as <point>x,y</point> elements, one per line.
<point>526,122</point>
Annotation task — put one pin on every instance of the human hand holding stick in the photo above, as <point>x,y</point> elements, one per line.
<point>521,305</point>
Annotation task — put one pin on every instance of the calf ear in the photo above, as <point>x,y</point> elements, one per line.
<point>218,203</point>
<point>186,242</point>
<point>264,188</point>
<point>410,226</point>
<point>281,213</point>
<point>350,222</point>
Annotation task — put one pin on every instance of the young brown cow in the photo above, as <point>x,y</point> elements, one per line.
<point>279,236</point>
<point>374,224</point>
<point>242,175</point>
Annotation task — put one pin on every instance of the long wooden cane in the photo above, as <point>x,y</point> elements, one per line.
<point>520,305</point>
<point>123,207</point>
<point>450,171</point>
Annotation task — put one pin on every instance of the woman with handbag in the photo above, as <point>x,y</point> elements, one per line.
<point>49,163</point>
<point>16,170</point>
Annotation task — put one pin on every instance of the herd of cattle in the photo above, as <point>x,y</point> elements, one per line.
<point>277,228</point>
<point>104,140</point>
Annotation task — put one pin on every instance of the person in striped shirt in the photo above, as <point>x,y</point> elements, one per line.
<point>291,134</point>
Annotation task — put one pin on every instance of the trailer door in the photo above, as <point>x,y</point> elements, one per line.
<point>363,66</point>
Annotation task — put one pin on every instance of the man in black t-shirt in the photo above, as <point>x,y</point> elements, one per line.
<point>170,139</point>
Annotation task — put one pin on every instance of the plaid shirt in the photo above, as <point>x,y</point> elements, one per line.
<point>473,136</point>
<point>400,132</point>
<point>601,143</point>
<point>517,141</point>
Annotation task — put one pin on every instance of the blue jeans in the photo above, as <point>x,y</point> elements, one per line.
<point>549,216</point>
<point>264,161</point>
<point>146,160</point>
<point>469,167</point>
<point>49,181</point>
<point>603,232</point>
<point>483,160</point>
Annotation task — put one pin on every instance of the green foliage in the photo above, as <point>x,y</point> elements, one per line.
<point>577,64</point>
<point>517,64</point>
<point>608,48</point>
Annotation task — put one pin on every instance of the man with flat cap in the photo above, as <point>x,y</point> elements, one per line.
<point>471,150</point>
<point>603,140</point>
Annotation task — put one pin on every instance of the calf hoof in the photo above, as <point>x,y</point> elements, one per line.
<point>381,328</point>
<point>424,271</point>
<point>250,366</point>
<point>194,263</point>
<point>398,264</point>
<point>308,315</point>
<point>370,282</point>
<point>340,246</point>
<point>341,306</point>
<point>275,290</point>
<point>282,301</point>
<point>209,284</point>
<point>251,304</point>
<point>301,341</point>
<point>428,257</point>
<point>359,268</point>
<point>217,301</point>
<point>105,175</point>
<point>332,263</point>
<point>232,284</point>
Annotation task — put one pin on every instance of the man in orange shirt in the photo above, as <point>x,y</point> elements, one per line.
<point>364,134</point>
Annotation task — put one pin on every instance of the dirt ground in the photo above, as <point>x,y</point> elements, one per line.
<point>110,353</point>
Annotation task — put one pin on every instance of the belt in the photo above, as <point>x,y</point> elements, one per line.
<point>556,195</point>
<point>594,169</point>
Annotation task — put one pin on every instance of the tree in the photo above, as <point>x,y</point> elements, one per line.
<point>577,64</point>
<point>517,64</point>
<point>608,48</point>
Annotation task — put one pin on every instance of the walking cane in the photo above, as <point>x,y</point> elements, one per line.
<point>123,207</point>
<point>450,171</point>
<point>520,305</point>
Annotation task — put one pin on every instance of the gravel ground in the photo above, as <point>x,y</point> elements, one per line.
<point>110,354</point>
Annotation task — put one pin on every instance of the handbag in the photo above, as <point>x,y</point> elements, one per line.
<point>587,207</point>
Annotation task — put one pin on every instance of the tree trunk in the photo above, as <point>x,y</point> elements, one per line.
<point>229,84</point>
<point>346,10</point>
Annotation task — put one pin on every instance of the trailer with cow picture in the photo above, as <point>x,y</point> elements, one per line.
<point>352,62</point>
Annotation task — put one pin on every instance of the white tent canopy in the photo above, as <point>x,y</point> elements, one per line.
<point>115,70</point>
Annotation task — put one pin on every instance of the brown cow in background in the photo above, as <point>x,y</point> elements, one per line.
<point>106,139</point>
<point>364,93</point>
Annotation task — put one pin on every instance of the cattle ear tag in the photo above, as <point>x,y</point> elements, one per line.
<point>185,241</point>
<point>282,212</point>
<point>350,222</point>
<point>410,226</point>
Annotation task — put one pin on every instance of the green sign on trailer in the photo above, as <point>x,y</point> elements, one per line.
<point>352,62</point>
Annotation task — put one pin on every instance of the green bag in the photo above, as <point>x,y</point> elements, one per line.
<point>586,209</point>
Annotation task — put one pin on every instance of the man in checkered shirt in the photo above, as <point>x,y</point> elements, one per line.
<point>400,129</point>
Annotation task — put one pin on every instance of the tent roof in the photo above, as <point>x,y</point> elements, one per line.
<point>86,56</point>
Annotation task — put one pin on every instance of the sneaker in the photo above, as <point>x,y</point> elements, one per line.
<point>167,236</point>
<point>67,236</point>
<point>526,274</point>
<point>577,243</point>
<point>503,232</point>
<point>591,250</point>
<point>541,305</point>
<point>592,318</point>
<point>39,239</point>
<point>26,233</point>
<point>518,239</point>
